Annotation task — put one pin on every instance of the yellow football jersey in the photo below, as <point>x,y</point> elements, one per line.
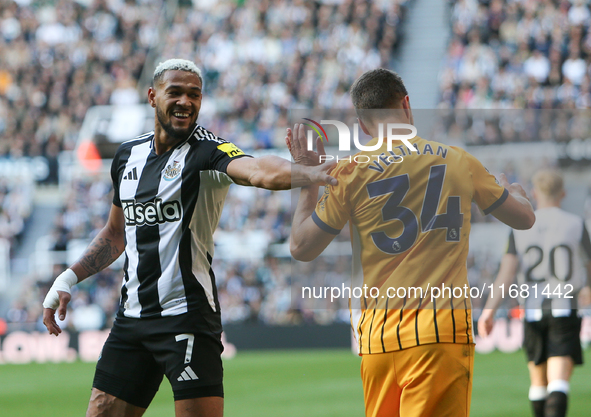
<point>410,220</point>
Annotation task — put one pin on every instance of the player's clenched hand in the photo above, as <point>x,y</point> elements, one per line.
<point>486,322</point>
<point>514,188</point>
<point>49,313</point>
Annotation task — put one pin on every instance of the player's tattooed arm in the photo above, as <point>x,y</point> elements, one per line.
<point>108,244</point>
<point>100,254</point>
<point>105,248</point>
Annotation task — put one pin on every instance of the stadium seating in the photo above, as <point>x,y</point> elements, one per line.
<point>518,55</point>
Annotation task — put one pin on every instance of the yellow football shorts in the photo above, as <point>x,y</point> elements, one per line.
<point>433,380</point>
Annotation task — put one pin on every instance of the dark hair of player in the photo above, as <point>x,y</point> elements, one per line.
<point>378,89</point>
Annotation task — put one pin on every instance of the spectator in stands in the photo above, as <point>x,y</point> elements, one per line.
<point>574,68</point>
<point>537,66</point>
<point>541,55</point>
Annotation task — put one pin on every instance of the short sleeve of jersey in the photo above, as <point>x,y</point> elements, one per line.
<point>332,211</point>
<point>488,194</point>
<point>115,180</point>
<point>223,153</point>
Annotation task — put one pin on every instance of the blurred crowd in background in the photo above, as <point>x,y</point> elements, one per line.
<point>273,56</point>
<point>518,54</point>
<point>493,127</point>
<point>60,58</point>
<point>16,203</point>
<point>261,59</point>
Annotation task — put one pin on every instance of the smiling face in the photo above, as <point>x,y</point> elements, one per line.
<point>177,100</point>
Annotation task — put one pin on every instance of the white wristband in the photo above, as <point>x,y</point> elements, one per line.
<point>64,282</point>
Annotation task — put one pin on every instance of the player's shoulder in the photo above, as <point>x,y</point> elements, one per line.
<point>556,211</point>
<point>202,135</point>
<point>567,216</point>
<point>206,142</point>
<point>431,148</point>
<point>463,159</point>
<point>138,140</point>
<point>347,171</point>
<point>461,153</point>
<point>555,221</point>
<point>144,137</point>
<point>346,166</point>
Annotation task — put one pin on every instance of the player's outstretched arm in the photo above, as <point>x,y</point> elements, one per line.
<point>104,249</point>
<point>506,275</point>
<point>275,173</point>
<point>516,211</point>
<point>307,240</point>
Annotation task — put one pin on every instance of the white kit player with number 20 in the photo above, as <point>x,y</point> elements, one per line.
<point>551,260</point>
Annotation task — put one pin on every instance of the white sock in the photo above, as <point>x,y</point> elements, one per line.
<point>559,385</point>
<point>537,393</point>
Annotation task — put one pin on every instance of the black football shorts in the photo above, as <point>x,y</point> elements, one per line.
<point>553,336</point>
<point>139,352</point>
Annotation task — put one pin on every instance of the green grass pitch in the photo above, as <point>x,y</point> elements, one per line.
<point>289,383</point>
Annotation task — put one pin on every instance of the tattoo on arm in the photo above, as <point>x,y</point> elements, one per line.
<point>99,255</point>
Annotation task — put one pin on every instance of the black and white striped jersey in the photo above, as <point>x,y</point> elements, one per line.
<point>172,204</point>
<point>552,256</point>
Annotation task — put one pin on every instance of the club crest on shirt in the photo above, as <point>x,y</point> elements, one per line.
<point>172,171</point>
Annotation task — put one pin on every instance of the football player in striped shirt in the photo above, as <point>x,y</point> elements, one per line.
<point>409,215</point>
<point>169,190</point>
<point>552,260</point>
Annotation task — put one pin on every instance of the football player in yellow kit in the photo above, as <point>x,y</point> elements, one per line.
<point>409,214</point>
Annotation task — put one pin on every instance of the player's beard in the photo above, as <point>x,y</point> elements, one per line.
<point>179,134</point>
